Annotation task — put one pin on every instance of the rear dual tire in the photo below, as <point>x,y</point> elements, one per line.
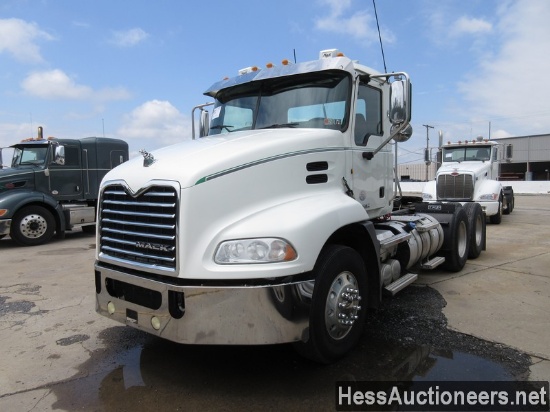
<point>456,242</point>
<point>476,229</point>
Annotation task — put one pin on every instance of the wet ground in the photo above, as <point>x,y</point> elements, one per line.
<point>406,340</point>
<point>58,354</point>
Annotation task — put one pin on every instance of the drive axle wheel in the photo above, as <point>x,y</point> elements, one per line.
<point>476,229</point>
<point>32,225</point>
<point>456,242</point>
<point>496,219</point>
<point>336,315</point>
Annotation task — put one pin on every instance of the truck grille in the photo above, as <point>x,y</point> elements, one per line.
<point>139,230</point>
<point>458,187</point>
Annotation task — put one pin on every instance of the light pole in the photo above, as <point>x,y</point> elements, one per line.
<point>427,159</point>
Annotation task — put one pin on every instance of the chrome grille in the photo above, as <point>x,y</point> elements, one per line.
<point>457,187</point>
<point>139,230</point>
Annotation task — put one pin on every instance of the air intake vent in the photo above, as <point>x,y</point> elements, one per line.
<point>139,230</point>
<point>316,166</point>
<point>459,187</point>
<point>315,179</point>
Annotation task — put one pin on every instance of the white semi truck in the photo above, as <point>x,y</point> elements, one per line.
<point>469,173</point>
<point>278,223</point>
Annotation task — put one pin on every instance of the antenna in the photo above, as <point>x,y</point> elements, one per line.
<point>379,36</point>
<point>294,56</point>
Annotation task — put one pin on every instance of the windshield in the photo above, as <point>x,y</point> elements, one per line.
<point>25,155</point>
<point>318,100</point>
<point>466,153</point>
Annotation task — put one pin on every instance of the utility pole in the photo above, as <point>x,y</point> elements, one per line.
<point>427,152</point>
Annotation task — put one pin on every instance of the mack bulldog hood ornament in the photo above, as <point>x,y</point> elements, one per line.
<point>148,158</point>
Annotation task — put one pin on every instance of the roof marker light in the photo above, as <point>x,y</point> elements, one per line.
<point>248,70</point>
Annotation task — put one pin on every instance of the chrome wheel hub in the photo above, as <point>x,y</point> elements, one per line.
<point>33,226</point>
<point>342,305</point>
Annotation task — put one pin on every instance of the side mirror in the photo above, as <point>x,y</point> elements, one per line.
<point>59,155</point>
<point>403,135</point>
<point>400,110</point>
<point>508,152</point>
<point>204,124</point>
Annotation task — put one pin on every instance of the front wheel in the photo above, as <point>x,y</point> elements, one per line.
<point>338,308</point>
<point>32,225</point>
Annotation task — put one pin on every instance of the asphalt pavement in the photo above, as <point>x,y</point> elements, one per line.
<point>58,354</point>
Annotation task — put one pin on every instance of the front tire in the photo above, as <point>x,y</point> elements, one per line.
<point>336,317</point>
<point>32,225</point>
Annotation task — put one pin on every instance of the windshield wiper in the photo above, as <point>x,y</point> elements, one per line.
<point>32,162</point>
<point>280,125</point>
<point>222,126</point>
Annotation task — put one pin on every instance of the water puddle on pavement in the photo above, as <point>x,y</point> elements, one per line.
<point>139,372</point>
<point>167,376</point>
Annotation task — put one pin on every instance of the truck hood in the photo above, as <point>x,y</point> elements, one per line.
<point>13,178</point>
<point>195,161</point>
<point>477,168</point>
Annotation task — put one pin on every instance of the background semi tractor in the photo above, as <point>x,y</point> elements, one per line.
<point>282,221</point>
<point>469,173</point>
<point>51,185</point>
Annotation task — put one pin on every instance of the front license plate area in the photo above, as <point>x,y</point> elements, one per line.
<point>131,316</point>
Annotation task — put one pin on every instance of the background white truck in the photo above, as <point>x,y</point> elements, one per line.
<point>469,173</point>
<point>278,224</point>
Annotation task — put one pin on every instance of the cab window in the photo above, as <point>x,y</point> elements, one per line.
<point>368,114</point>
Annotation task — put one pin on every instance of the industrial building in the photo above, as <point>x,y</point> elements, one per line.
<point>530,161</point>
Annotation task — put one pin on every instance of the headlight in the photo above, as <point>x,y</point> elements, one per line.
<point>427,196</point>
<point>264,250</point>
<point>489,196</point>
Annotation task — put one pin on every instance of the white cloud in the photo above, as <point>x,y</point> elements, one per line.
<point>507,87</point>
<point>129,38</point>
<point>18,38</point>
<point>359,24</point>
<point>11,133</point>
<point>469,25</point>
<point>155,124</point>
<point>56,84</point>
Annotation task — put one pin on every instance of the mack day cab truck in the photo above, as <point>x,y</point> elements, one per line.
<point>51,185</point>
<point>275,225</point>
<point>469,173</point>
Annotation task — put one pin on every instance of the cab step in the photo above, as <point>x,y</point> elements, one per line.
<point>433,262</point>
<point>400,283</point>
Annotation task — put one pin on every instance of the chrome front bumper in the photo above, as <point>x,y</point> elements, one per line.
<point>232,315</point>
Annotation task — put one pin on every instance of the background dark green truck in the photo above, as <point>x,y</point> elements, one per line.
<point>51,185</point>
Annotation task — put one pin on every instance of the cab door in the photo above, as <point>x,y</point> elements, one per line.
<point>66,179</point>
<point>372,178</point>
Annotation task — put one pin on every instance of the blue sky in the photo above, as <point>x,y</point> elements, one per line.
<point>135,69</point>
